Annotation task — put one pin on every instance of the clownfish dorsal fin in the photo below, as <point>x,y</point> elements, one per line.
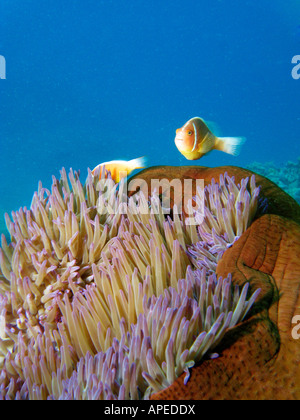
<point>214,128</point>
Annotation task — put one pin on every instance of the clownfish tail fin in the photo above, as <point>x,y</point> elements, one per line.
<point>230,145</point>
<point>138,163</point>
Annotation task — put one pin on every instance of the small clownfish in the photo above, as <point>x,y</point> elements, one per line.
<point>117,166</point>
<point>195,140</point>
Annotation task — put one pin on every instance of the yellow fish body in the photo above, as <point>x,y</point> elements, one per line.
<point>121,168</point>
<point>195,140</point>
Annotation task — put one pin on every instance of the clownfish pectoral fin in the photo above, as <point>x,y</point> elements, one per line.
<point>230,145</point>
<point>138,163</point>
<point>207,144</point>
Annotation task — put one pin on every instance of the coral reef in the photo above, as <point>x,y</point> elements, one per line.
<point>101,303</point>
<point>286,177</point>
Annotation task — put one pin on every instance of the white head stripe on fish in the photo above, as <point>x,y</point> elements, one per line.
<point>187,123</point>
<point>196,137</point>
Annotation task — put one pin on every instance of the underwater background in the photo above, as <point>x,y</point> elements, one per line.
<point>91,81</point>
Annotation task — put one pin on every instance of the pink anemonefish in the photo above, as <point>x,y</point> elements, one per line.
<point>117,166</point>
<point>195,140</point>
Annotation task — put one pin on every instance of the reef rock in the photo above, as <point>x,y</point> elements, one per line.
<point>285,176</point>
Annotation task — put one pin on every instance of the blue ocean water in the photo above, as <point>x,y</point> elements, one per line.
<point>91,81</point>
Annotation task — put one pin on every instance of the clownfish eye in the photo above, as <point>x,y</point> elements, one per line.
<point>189,132</point>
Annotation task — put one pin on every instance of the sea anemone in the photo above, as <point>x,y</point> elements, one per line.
<point>229,209</point>
<point>99,300</point>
